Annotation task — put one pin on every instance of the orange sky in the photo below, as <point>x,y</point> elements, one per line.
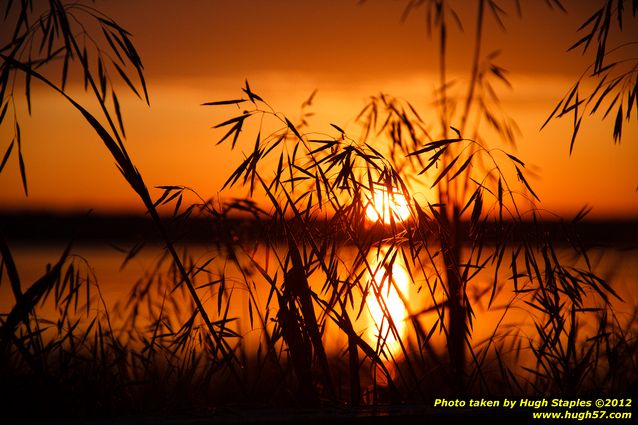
<point>200,51</point>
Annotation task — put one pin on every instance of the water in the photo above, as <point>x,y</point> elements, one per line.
<point>249,304</point>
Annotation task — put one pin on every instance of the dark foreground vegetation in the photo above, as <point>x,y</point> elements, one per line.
<point>71,354</point>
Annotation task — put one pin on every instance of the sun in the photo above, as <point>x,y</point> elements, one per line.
<point>387,206</point>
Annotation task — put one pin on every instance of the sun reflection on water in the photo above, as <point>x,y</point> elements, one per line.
<point>386,306</point>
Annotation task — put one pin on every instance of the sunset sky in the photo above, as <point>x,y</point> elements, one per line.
<point>198,51</point>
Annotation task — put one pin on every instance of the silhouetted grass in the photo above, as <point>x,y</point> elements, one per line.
<point>184,340</point>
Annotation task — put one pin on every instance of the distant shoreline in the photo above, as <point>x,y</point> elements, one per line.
<point>43,227</point>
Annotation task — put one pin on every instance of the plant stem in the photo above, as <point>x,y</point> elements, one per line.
<point>442,70</point>
<point>450,245</point>
<point>475,65</point>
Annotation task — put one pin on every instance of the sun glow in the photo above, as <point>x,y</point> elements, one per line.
<point>387,206</point>
<point>384,303</point>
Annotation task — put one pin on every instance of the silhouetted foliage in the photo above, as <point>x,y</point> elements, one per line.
<point>610,83</point>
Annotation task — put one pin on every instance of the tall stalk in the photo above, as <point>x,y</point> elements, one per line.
<point>112,139</point>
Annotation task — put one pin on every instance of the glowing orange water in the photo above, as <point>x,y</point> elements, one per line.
<point>386,307</point>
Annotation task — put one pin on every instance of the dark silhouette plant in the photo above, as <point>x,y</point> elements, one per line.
<point>483,202</point>
<point>610,82</point>
<point>47,43</point>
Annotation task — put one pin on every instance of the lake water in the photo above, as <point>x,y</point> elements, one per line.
<point>244,303</point>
